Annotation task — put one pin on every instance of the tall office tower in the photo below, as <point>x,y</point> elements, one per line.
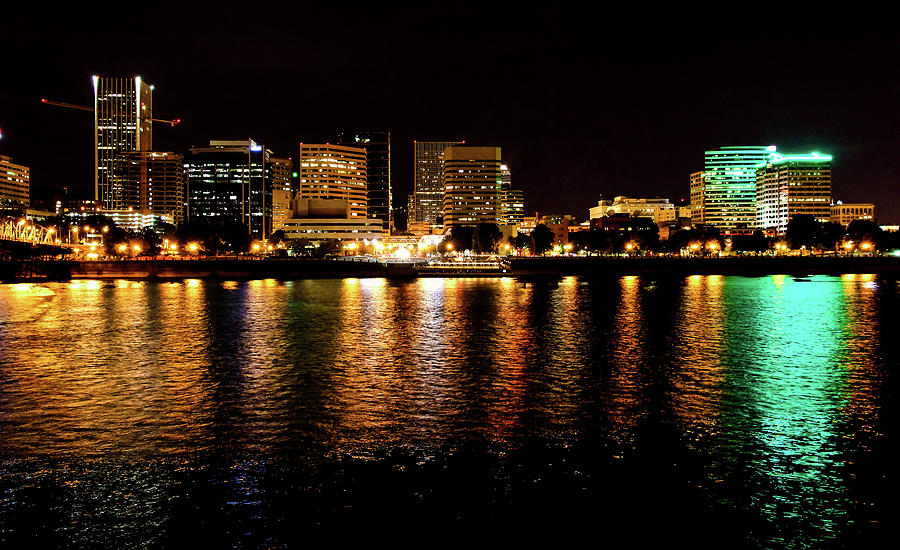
<point>378,172</point>
<point>729,196</point>
<point>512,201</point>
<point>232,181</point>
<point>788,185</point>
<point>15,184</point>
<point>472,179</point>
<point>329,171</point>
<point>123,108</point>
<point>154,182</point>
<point>429,179</point>
<point>698,185</point>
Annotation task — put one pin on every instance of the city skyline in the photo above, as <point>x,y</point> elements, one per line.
<point>635,120</point>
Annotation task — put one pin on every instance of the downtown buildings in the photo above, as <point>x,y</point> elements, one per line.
<point>456,184</point>
<point>729,187</point>
<point>426,206</point>
<point>233,181</point>
<point>128,175</point>
<point>746,188</point>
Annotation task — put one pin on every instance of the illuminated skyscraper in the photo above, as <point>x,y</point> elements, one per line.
<point>429,180</point>
<point>729,187</point>
<point>472,180</point>
<point>378,172</point>
<point>512,201</point>
<point>123,108</point>
<point>329,171</point>
<point>698,195</point>
<point>788,185</point>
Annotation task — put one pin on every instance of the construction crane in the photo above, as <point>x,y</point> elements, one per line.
<point>171,123</point>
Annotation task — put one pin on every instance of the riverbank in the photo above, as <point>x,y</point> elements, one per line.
<point>247,268</point>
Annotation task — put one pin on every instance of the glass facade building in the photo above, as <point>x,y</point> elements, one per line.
<point>232,181</point>
<point>729,187</point>
<point>123,109</point>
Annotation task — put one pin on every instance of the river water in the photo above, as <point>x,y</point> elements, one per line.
<point>721,411</point>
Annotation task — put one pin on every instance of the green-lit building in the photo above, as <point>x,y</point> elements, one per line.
<point>788,185</point>
<point>729,186</point>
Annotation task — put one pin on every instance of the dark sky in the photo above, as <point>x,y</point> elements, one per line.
<point>584,103</point>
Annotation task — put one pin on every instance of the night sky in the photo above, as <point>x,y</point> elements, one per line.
<point>607,102</point>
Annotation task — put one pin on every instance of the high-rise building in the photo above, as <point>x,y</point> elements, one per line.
<point>378,172</point>
<point>512,201</point>
<point>232,181</point>
<point>329,171</point>
<point>698,189</point>
<point>472,180</point>
<point>123,109</point>
<point>429,180</point>
<point>788,185</point>
<point>154,182</point>
<point>512,206</point>
<point>15,184</point>
<point>729,187</point>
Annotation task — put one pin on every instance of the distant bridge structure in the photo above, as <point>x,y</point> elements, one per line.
<point>23,231</point>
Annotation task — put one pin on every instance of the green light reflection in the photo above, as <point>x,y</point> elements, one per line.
<point>784,394</point>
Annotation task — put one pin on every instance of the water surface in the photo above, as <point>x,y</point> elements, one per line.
<point>720,410</point>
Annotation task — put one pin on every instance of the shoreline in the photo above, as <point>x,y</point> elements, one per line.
<point>291,268</point>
